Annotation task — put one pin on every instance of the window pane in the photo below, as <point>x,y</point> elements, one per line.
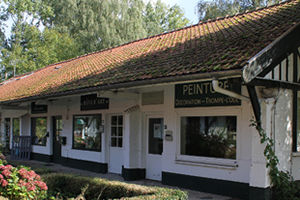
<point>120,120</point>
<point>155,136</point>
<point>120,131</point>
<point>39,130</point>
<point>209,136</point>
<point>113,131</point>
<point>114,120</point>
<point>16,126</point>
<point>87,132</point>
<point>120,142</point>
<point>113,142</point>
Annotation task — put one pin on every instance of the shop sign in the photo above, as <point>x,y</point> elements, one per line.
<point>92,102</point>
<point>37,109</point>
<point>202,94</point>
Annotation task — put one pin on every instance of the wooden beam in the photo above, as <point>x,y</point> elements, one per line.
<point>255,103</point>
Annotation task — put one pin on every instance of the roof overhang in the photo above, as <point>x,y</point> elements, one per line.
<point>164,80</point>
<point>263,62</point>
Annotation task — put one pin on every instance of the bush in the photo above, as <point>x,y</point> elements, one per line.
<point>20,182</point>
<point>70,185</point>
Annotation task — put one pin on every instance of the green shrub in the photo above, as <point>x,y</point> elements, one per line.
<point>70,185</point>
<point>20,182</point>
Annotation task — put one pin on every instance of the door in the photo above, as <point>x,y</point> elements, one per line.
<point>154,148</point>
<point>57,129</point>
<point>116,156</point>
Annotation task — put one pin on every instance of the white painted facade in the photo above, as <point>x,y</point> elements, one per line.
<point>249,167</point>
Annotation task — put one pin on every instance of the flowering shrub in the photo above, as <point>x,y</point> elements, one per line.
<point>20,182</point>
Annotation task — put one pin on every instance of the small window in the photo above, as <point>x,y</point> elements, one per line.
<point>39,130</point>
<point>16,126</point>
<point>117,131</point>
<point>213,136</point>
<point>86,132</point>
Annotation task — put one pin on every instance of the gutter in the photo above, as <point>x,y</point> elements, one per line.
<point>216,87</point>
<point>164,80</point>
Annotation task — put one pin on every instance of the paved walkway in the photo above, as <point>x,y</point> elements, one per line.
<point>193,195</point>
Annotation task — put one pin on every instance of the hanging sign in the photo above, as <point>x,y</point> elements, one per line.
<point>202,94</point>
<point>37,109</point>
<point>92,102</point>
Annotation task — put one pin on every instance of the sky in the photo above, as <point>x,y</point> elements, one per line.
<point>189,7</point>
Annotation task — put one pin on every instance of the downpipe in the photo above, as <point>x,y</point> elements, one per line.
<point>216,87</point>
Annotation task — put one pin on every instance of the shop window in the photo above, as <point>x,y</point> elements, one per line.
<point>213,136</point>
<point>39,130</point>
<point>117,131</point>
<point>86,132</point>
<point>16,126</point>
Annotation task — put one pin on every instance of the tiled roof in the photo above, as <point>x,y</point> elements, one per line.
<point>215,45</point>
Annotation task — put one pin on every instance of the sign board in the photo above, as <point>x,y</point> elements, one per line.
<point>92,102</point>
<point>37,109</point>
<point>202,94</point>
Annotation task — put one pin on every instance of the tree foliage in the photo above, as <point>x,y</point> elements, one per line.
<point>220,8</point>
<point>101,24</point>
<point>49,31</point>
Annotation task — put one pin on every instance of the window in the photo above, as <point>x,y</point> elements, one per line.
<point>117,131</point>
<point>7,131</point>
<point>213,136</point>
<point>39,130</point>
<point>86,132</point>
<point>16,126</point>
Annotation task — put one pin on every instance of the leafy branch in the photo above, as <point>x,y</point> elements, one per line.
<point>283,185</point>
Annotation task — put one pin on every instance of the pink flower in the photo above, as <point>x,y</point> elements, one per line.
<point>1,176</point>
<point>41,184</point>
<point>6,172</point>
<point>4,182</point>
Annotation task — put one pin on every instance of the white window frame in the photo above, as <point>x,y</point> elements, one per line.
<point>207,112</point>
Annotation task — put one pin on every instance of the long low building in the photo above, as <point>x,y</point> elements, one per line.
<point>174,107</point>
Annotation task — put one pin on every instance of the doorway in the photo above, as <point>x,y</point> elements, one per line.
<point>57,129</point>
<point>154,148</point>
<point>116,156</point>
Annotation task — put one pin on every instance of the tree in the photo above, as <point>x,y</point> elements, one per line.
<point>220,8</point>
<point>99,24</point>
<point>29,48</point>
<point>159,18</point>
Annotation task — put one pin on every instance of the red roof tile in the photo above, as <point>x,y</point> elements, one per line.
<point>221,44</point>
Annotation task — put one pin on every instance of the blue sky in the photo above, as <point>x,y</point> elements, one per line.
<point>188,6</point>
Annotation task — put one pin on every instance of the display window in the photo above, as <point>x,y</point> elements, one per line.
<point>209,137</point>
<point>86,132</point>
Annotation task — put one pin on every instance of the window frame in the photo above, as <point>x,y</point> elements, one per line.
<point>31,130</point>
<point>208,112</point>
<point>117,126</point>
<point>73,127</point>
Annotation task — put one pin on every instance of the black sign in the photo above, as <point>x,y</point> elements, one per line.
<point>37,109</point>
<point>92,102</point>
<point>202,94</point>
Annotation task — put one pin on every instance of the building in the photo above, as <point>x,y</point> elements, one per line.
<point>174,107</point>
